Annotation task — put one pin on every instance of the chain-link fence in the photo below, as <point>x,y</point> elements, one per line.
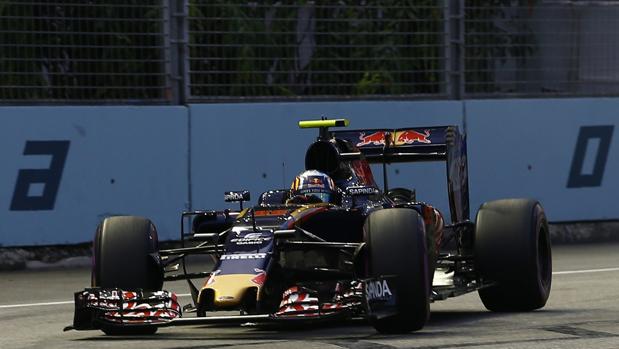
<point>178,51</point>
<point>80,51</point>
<point>541,48</point>
<point>335,49</point>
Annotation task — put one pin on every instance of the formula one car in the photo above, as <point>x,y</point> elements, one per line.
<point>333,247</point>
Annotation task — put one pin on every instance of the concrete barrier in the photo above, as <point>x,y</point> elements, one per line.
<point>563,152</point>
<point>66,168</point>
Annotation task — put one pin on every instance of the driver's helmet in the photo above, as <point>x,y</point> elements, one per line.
<point>315,186</point>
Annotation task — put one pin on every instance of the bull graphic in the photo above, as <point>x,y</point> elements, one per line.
<point>376,138</point>
<point>411,136</point>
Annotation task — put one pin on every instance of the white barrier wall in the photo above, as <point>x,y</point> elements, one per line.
<point>564,152</point>
<point>66,168</point>
<point>259,146</point>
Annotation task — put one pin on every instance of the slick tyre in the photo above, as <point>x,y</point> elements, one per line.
<point>395,241</point>
<point>401,195</point>
<point>512,249</point>
<point>126,257</point>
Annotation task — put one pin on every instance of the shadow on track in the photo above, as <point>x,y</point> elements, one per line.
<point>441,324</point>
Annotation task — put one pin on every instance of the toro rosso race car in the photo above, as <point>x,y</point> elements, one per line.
<point>335,246</point>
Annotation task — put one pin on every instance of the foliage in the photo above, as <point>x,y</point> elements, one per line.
<point>96,50</point>
<point>269,48</point>
<point>115,49</point>
<point>495,31</point>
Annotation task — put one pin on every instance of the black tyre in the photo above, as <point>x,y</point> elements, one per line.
<point>512,248</point>
<point>401,195</point>
<point>395,240</point>
<point>126,257</point>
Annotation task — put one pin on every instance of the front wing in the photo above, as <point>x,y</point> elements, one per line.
<point>96,308</point>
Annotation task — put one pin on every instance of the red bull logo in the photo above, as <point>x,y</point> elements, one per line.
<point>411,136</point>
<point>315,181</point>
<point>376,138</point>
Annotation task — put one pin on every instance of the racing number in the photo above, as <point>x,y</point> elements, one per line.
<point>577,178</point>
<point>49,177</point>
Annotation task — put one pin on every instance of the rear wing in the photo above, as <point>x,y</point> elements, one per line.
<point>401,145</point>
<point>436,143</point>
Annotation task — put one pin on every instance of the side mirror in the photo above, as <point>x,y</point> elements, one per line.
<point>237,196</point>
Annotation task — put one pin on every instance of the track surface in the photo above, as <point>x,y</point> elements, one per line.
<point>583,312</point>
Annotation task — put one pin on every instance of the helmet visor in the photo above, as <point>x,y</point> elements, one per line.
<point>323,197</point>
<point>317,194</point>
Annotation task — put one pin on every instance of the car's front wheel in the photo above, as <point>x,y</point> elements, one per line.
<point>395,241</point>
<point>126,257</point>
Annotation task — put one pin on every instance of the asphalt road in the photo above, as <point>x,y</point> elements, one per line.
<point>583,312</point>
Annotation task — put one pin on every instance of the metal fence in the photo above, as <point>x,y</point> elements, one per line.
<point>77,51</point>
<point>335,49</point>
<point>178,51</point>
<point>542,48</point>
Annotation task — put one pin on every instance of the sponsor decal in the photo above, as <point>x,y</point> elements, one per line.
<point>316,181</point>
<point>362,191</point>
<point>251,239</point>
<point>243,256</point>
<point>260,213</point>
<point>231,196</point>
<point>47,180</point>
<point>412,136</point>
<point>312,190</point>
<point>252,236</point>
<point>377,290</point>
<point>376,138</point>
<point>582,176</point>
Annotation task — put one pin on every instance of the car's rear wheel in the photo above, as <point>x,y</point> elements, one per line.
<point>512,250</point>
<point>126,257</point>
<point>401,195</point>
<point>395,240</point>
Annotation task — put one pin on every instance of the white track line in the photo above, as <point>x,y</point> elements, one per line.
<point>567,272</point>
<point>584,271</point>
<point>34,304</point>
<point>58,303</point>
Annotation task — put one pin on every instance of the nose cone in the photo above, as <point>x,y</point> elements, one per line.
<point>228,290</point>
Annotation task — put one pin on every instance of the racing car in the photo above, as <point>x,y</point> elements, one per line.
<point>334,247</point>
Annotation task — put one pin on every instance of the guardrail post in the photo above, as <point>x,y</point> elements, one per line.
<point>454,34</point>
<point>176,37</point>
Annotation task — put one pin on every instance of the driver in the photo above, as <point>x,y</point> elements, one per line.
<point>312,187</point>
